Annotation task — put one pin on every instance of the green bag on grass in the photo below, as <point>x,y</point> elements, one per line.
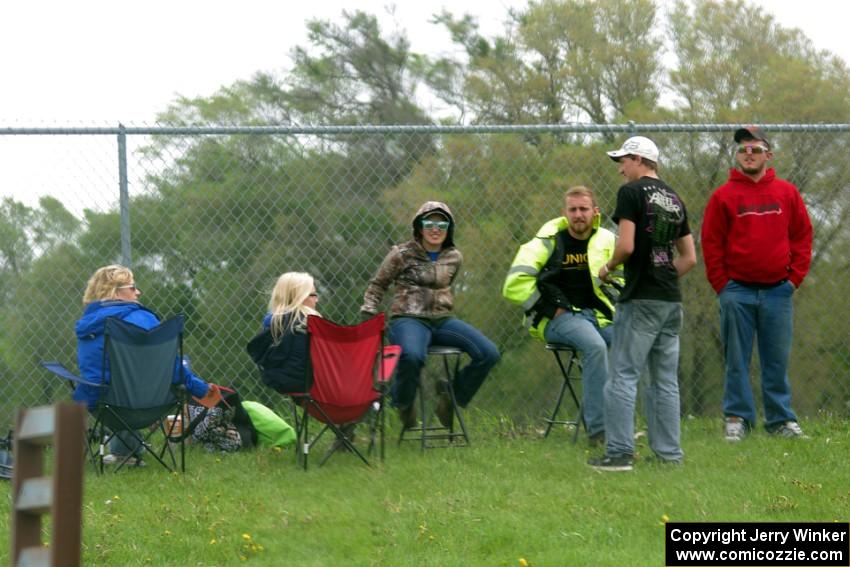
<point>272,430</point>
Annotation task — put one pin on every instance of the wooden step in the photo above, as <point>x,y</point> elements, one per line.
<point>38,425</point>
<point>34,557</point>
<point>35,495</point>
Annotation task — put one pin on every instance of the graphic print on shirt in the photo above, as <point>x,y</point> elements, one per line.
<point>760,209</point>
<point>665,213</point>
<point>574,262</point>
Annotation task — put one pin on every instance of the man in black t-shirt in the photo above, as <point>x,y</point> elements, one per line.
<point>653,222</point>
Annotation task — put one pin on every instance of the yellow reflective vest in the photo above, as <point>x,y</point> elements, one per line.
<point>520,286</point>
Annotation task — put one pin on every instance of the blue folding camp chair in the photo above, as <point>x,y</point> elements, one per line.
<point>140,393</point>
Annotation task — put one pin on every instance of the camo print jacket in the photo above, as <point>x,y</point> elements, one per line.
<point>422,287</point>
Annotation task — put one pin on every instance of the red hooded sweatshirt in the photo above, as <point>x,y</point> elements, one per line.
<point>756,232</point>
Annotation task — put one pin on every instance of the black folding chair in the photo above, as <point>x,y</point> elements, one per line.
<point>567,372</point>
<point>140,394</point>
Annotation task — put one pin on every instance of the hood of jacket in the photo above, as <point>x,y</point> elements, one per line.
<point>736,176</point>
<point>93,321</point>
<point>432,207</point>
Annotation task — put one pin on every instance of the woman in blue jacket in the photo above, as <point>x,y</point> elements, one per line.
<point>112,292</point>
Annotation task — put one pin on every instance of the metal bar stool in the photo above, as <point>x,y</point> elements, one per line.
<point>567,373</point>
<point>428,434</point>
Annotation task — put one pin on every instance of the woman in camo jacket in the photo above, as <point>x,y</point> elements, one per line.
<point>422,271</point>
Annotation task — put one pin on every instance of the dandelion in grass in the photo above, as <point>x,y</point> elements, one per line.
<point>249,547</point>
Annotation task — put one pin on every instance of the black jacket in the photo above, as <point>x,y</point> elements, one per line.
<point>283,366</point>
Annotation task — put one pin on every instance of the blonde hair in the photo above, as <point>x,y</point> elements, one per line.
<point>287,297</point>
<point>105,282</point>
<point>580,191</point>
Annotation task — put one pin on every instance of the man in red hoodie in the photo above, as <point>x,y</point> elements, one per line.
<point>757,247</point>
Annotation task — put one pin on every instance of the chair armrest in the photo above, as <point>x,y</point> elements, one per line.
<point>385,369</point>
<point>59,369</point>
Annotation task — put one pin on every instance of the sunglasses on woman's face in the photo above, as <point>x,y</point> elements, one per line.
<point>129,286</point>
<point>440,225</point>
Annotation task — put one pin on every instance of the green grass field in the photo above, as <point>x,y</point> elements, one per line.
<point>510,499</point>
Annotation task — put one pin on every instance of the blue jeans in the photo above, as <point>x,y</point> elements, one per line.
<point>645,331</point>
<point>581,330</point>
<point>415,335</point>
<point>125,443</point>
<point>746,313</point>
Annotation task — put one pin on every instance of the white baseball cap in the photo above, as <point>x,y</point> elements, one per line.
<point>636,146</point>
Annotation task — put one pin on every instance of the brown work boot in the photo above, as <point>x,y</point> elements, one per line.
<point>443,410</point>
<point>407,416</point>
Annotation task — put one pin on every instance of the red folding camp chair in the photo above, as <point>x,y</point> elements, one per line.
<point>350,370</point>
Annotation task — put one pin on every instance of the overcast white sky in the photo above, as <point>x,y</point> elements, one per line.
<point>94,62</point>
<point>98,62</point>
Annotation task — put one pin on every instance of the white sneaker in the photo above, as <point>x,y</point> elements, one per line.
<point>790,430</point>
<point>735,429</point>
<point>112,459</point>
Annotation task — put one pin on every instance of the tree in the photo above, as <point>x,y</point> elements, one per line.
<point>559,60</point>
<point>734,64</point>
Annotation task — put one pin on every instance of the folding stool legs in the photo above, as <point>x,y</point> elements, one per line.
<point>427,432</point>
<point>566,386</point>
<point>455,407</point>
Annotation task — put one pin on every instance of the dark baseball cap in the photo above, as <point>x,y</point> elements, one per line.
<point>750,133</point>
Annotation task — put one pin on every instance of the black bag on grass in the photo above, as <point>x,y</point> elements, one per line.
<point>6,462</point>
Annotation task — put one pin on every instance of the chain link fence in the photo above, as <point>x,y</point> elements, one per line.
<point>209,217</point>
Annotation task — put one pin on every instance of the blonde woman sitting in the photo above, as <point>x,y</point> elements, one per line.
<point>293,298</point>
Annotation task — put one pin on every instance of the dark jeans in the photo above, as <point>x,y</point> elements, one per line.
<point>416,335</point>
<point>122,442</point>
<point>764,315</point>
<point>125,443</point>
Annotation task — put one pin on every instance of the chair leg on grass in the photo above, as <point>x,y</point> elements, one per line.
<point>566,386</point>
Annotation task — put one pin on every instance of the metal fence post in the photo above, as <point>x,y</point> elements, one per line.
<point>126,251</point>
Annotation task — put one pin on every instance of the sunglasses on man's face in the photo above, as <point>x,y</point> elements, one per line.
<point>438,224</point>
<point>744,149</point>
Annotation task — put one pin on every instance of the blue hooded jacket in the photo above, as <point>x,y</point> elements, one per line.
<point>89,329</point>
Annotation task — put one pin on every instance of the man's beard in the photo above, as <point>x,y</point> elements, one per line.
<point>753,170</point>
<point>580,228</point>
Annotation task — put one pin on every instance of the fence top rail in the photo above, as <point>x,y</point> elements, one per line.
<point>628,128</point>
